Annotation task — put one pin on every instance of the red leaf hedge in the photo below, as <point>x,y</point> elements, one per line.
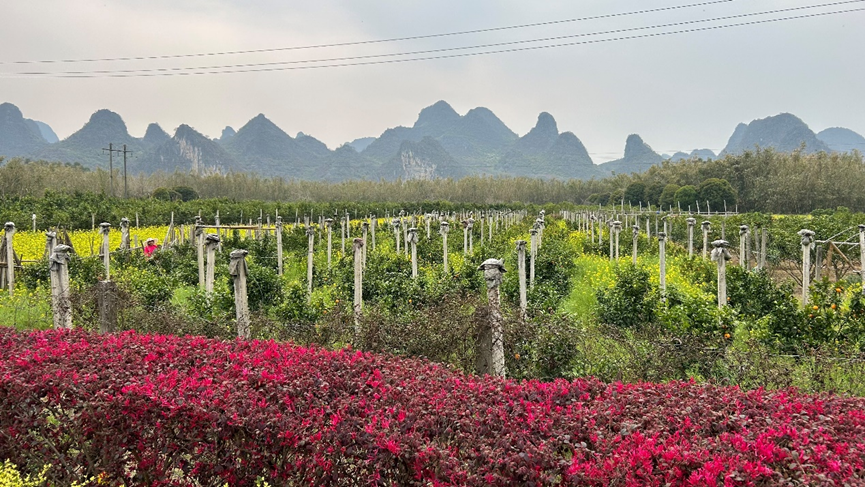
<point>164,410</point>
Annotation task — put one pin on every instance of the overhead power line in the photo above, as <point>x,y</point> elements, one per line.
<point>451,56</point>
<point>372,41</point>
<point>430,51</point>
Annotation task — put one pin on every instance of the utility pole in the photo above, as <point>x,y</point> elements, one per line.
<point>111,150</point>
<point>125,186</point>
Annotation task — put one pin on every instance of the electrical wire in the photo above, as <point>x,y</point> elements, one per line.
<point>374,41</point>
<point>431,51</point>
<point>446,56</point>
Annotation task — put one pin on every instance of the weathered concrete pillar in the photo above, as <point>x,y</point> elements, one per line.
<point>521,272</point>
<point>721,255</point>
<point>211,242</point>
<point>612,241</point>
<point>279,245</point>
<point>592,225</point>
<point>635,244</point>
<point>105,231</point>
<point>404,225</point>
<point>328,223</point>
<point>491,353</point>
<point>426,220</point>
<point>743,246</point>
<point>481,219</point>
<point>465,225</point>
<point>706,226</point>
<point>617,229</point>
<point>310,235</point>
<point>238,271</point>
<point>662,262</point>
<point>50,242</point>
<point>124,233</point>
<point>541,224</point>
<point>533,253</point>
<point>691,223</point>
<point>862,256</point>
<point>358,284</point>
<point>342,223</point>
<point>199,245</point>
<point>396,224</point>
<point>470,223</point>
<point>412,240</point>
<point>807,241</point>
<point>10,257</point>
<point>364,231</point>
<point>60,303</point>
<point>373,223</point>
<point>765,236</point>
<point>444,228</point>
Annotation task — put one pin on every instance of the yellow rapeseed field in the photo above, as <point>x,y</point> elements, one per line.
<point>30,245</point>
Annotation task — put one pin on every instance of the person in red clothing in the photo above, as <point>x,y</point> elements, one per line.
<point>150,247</point>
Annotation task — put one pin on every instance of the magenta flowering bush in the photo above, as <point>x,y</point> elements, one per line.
<point>165,410</point>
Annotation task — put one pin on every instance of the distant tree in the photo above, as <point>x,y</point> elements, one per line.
<point>668,196</point>
<point>186,193</point>
<point>616,197</point>
<point>716,192</point>
<point>652,196</point>
<point>166,194</point>
<point>599,198</point>
<point>635,192</point>
<point>686,195</point>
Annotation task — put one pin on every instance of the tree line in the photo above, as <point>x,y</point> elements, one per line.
<point>762,180</point>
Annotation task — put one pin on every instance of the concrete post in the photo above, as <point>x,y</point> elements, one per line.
<point>373,224</point>
<point>721,254</point>
<point>662,263</point>
<point>706,226</point>
<point>481,219</point>
<point>50,242</point>
<point>310,235</point>
<point>238,271</point>
<point>592,225</point>
<point>634,246</point>
<point>691,223</point>
<point>426,220</point>
<point>465,225</point>
<point>328,223</point>
<point>469,226</point>
<point>342,223</point>
<point>105,230</point>
<point>211,242</point>
<point>60,303</point>
<point>862,256</point>
<point>124,233</point>
<point>358,283</point>
<point>444,228</point>
<point>412,240</point>
<point>279,245</point>
<point>364,231</point>
<point>617,228</point>
<point>533,252</point>
<point>10,257</point>
<point>396,224</point>
<point>743,246</point>
<point>521,271</point>
<point>764,235</point>
<point>199,245</point>
<point>491,354</point>
<point>807,241</point>
<point>612,241</point>
<point>541,224</point>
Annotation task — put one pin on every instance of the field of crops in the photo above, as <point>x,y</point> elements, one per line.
<point>588,316</point>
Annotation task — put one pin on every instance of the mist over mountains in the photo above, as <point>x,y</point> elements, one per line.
<point>440,144</point>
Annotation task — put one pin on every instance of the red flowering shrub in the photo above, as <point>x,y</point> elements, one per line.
<point>164,410</point>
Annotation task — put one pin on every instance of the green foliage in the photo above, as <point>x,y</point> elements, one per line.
<point>668,196</point>
<point>630,303</point>
<point>686,196</point>
<point>635,193</point>
<point>718,193</point>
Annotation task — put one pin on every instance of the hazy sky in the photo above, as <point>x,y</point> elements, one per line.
<point>679,92</point>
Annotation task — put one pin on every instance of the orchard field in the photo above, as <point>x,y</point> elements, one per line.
<point>612,377</point>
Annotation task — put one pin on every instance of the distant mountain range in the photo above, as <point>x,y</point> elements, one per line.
<point>441,144</point>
